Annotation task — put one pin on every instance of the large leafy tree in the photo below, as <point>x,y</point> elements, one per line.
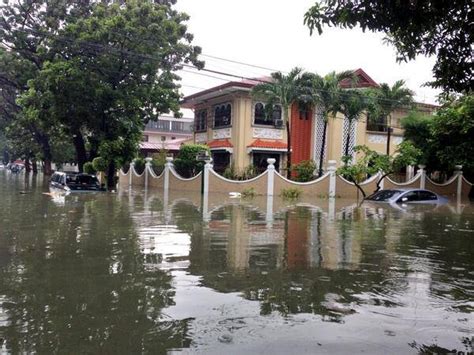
<point>441,28</point>
<point>283,90</point>
<point>387,99</point>
<point>324,92</point>
<point>114,73</point>
<point>445,138</point>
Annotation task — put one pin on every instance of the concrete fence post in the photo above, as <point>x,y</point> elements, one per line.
<point>130,173</point>
<point>422,176</point>
<point>332,178</point>
<point>168,166</point>
<point>271,176</point>
<point>458,172</point>
<point>147,170</point>
<point>206,172</point>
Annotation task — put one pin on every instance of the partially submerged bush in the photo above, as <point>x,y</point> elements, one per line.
<point>291,193</point>
<point>185,163</point>
<point>249,193</point>
<point>233,174</point>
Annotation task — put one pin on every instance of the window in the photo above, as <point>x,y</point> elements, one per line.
<point>265,116</point>
<point>427,196</point>
<point>222,115</point>
<point>177,126</point>
<point>201,121</point>
<point>163,138</point>
<point>145,138</point>
<point>173,138</point>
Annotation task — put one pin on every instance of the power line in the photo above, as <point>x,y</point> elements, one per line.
<point>237,62</point>
<point>95,47</point>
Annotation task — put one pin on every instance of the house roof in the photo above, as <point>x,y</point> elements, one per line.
<point>220,143</point>
<point>224,89</point>
<point>267,144</point>
<point>364,81</point>
<point>172,145</point>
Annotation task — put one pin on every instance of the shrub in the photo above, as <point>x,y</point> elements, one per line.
<point>185,163</point>
<point>305,170</point>
<point>139,165</point>
<point>158,162</point>
<point>248,173</point>
<point>89,168</point>
<point>99,164</point>
<point>249,193</point>
<point>291,193</point>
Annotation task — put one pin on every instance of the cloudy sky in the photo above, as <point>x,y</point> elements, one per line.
<point>271,34</point>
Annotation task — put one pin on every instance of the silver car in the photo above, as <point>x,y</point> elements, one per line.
<point>394,196</point>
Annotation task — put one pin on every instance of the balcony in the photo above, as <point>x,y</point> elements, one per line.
<point>170,126</point>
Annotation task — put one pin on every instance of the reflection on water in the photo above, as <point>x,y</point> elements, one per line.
<point>138,272</point>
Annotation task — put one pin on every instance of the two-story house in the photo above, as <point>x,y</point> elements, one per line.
<point>240,131</point>
<point>168,133</point>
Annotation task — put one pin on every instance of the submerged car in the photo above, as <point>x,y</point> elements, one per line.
<point>75,182</point>
<point>407,196</point>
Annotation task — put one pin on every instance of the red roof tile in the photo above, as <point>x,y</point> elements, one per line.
<point>220,143</point>
<point>269,144</point>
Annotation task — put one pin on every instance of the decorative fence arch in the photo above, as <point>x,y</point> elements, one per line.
<point>271,183</point>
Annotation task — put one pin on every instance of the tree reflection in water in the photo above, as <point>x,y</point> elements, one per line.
<point>81,286</point>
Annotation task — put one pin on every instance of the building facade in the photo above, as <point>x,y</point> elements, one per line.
<point>168,133</point>
<point>240,132</point>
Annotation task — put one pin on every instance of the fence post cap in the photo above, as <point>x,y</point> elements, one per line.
<point>148,160</point>
<point>421,166</point>
<point>458,167</point>
<point>332,165</point>
<point>271,161</point>
<point>132,163</point>
<point>169,159</point>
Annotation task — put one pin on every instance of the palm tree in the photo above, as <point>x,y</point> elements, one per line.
<point>387,99</point>
<point>353,104</point>
<point>282,90</point>
<point>324,92</point>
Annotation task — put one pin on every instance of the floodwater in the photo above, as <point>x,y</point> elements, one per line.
<point>135,272</point>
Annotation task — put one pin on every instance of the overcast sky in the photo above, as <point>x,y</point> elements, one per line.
<point>271,34</point>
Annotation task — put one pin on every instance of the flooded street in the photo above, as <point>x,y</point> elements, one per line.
<point>134,272</point>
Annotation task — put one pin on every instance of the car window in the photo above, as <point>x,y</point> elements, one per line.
<point>408,197</point>
<point>383,195</point>
<point>426,196</point>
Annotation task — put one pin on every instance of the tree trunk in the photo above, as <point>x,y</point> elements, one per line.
<point>348,138</point>
<point>288,152</point>
<point>34,166</point>
<point>111,176</point>
<point>47,170</point>
<point>27,165</point>
<point>323,148</point>
<point>80,146</point>
<point>388,134</point>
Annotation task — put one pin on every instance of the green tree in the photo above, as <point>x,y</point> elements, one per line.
<point>386,100</point>
<point>441,28</point>
<point>186,163</point>
<point>115,73</point>
<point>353,103</point>
<point>324,93</point>
<point>283,90</point>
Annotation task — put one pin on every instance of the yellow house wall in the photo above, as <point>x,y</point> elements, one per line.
<point>241,127</point>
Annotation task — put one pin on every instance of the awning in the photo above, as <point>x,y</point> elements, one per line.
<point>220,144</point>
<point>267,145</point>
<point>171,145</point>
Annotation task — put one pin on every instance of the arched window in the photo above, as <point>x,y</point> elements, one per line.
<point>259,113</point>
<point>201,120</point>
<point>222,115</point>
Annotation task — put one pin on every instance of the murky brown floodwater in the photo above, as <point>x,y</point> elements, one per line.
<point>138,273</point>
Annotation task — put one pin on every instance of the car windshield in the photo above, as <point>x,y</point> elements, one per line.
<point>383,195</point>
<point>82,180</point>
